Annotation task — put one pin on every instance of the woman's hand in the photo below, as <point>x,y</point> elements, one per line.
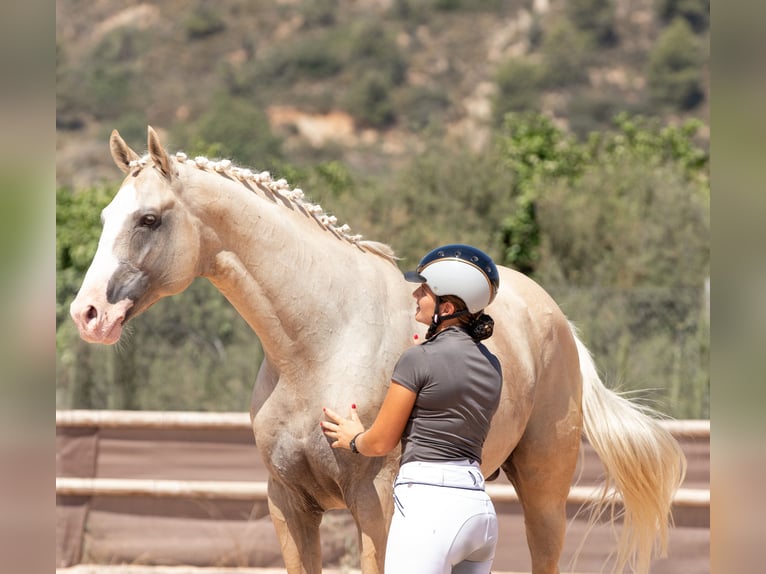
<point>384,434</point>
<point>340,429</point>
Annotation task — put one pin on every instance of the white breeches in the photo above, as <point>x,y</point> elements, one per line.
<point>443,523</point>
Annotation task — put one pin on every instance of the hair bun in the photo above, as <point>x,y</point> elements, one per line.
<point>482,327</point>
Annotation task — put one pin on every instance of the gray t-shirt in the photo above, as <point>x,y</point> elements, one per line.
<point>458,382</point>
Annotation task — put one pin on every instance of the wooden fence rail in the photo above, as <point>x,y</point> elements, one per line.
<point>237,420</point>
<point>238,490</point>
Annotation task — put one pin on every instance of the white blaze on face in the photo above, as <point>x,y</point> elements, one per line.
<point>113,218</point>
<point>98,320</point>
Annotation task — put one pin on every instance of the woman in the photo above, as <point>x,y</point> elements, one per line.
<point>439,406</point>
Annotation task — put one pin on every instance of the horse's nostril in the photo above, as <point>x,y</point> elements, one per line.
<point>91,313</point>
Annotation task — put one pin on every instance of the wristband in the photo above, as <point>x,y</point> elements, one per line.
<point>352,444</point>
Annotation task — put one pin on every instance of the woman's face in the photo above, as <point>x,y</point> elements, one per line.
<point>426,304</point>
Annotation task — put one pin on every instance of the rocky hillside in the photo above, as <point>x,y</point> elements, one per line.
<point>363,81</point>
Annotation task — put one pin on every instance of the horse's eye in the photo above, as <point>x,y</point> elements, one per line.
<point>149,220</point>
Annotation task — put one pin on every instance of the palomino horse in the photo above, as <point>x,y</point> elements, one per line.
<point>333,314</point>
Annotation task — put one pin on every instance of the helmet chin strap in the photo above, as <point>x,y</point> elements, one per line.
<point>438,319</point>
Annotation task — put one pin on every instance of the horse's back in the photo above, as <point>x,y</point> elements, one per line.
<point>531,328</point>
<point>541,374</point>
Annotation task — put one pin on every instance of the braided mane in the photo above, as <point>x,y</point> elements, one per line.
<point>274,189</point>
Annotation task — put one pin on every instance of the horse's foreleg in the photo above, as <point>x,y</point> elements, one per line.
<point>541,470</point>
<point>297,530</point>
<point>371,506</point>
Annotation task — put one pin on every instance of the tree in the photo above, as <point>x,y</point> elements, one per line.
<point>532,149</point>
<point>519,88</point>
<point>448,193</point>
<point>231,128</point>
<point>617,229</point>
<point>674,72</point>
<point>624,247</point>
<point>595,18</point>
<point>565,52</point>
<point>77,233</point>
<point>370,101</point>
<point>695,12</point>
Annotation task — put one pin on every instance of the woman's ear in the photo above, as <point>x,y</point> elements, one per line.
<point>446,308</point>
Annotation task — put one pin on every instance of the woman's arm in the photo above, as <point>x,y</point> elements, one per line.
<point>384,434</point>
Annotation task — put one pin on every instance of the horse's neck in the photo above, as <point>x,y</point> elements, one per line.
<point>298,285</point>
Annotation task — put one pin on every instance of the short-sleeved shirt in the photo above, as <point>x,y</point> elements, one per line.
<point>457,382</point>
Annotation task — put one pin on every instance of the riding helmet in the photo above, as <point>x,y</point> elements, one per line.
<point>460,270</point>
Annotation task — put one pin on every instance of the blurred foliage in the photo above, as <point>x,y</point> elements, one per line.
<point>113,79</point>
<point>373,47</point>
<point>593,110</point>
<point>232,128</point>
<point>616,226</point>
<point>202,21</point>
<point>519,88</point>
<point>619,232</point>
<point>77,233</point>
<point>422,107</point>
<point>565,51</point>
<point>594,17</point>
<point>533,150</point>
<point>370,101</point>
<point>695,12</point>
<point>319,13</point>
<point>446,194</point>
<point>313,57</point>
<point>674,74</point>
<point>608,211</point>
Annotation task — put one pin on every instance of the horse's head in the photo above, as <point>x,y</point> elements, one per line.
<point>149,245</point>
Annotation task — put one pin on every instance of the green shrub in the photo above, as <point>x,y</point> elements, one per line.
<point>695,12</point>
<point>113,80</point>
<point>203,21</point>
<point>231,128</point>
<point>463,195</point>
<point>593,110</point>
<point>308,59</point>
<point>674,74</point>
<point>373,48</point>
<point>319,13</point>
<point>77,233</point>
<point>519,88</point>
<point>595,18</point>
<point>370,101</point>
<point>565,52</point>
<point>421,106</point>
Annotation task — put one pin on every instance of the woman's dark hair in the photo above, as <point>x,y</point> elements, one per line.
<point>482,327</point>
<point>479,325</point>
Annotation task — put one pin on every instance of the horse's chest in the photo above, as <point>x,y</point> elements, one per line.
<point>291,451</point>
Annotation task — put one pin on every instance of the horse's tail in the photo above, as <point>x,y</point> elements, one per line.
<point>644,467</point>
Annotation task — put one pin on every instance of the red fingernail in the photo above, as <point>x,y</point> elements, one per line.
<point>415,336</point>
<point>324,410</point>
<point>353,406</point>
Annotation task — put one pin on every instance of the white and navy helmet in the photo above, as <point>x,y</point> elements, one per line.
<point>460,270</point>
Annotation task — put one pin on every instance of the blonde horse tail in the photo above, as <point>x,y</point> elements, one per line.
<point>643,463</point>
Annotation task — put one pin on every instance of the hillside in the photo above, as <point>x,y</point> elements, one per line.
<point>364,82</point>
<point>393,115</point>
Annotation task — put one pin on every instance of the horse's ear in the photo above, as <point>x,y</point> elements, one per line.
<point>158,154</point>
<point>121,152</point>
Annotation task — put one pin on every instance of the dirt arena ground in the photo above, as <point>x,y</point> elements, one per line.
<point>170,532</point>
